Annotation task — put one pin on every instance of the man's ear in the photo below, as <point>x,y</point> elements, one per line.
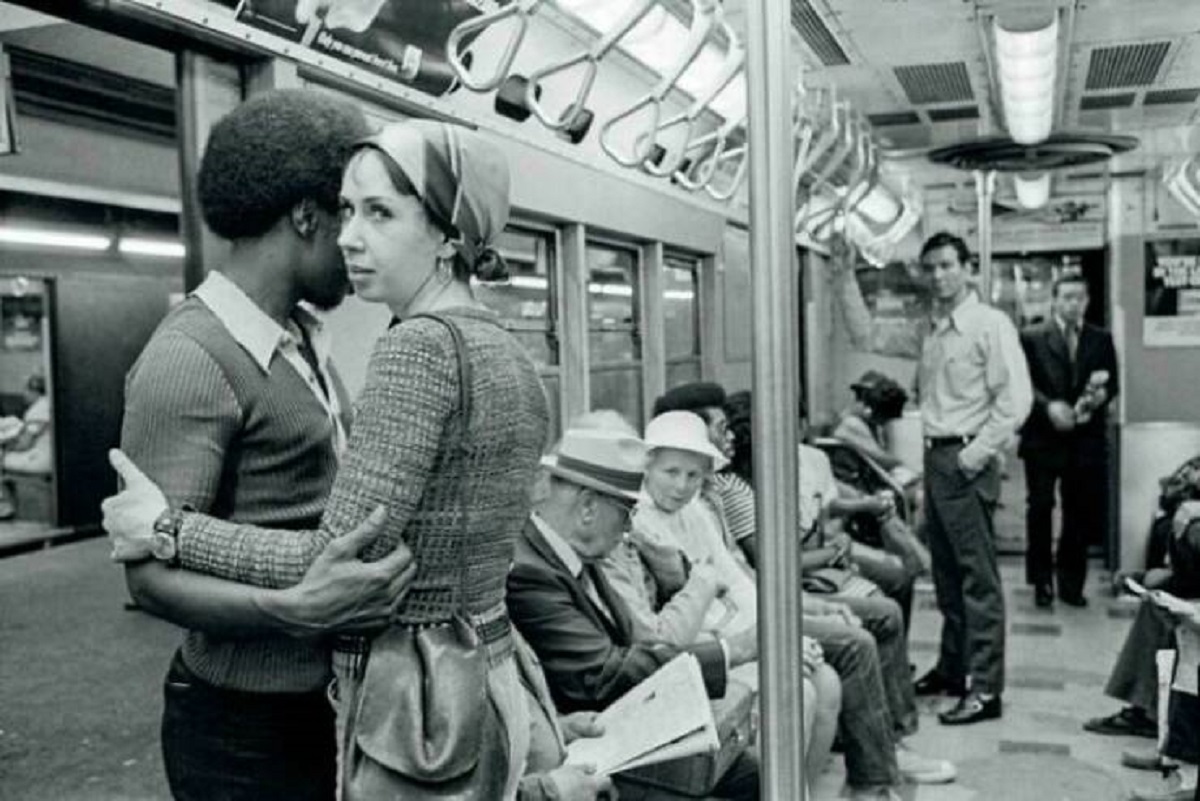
<point>587,506</point>
<point>304,218</point>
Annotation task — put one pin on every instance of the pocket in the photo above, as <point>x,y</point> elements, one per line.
<point>963,371</point>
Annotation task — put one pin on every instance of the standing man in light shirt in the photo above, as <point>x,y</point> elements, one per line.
<point>974,390</point>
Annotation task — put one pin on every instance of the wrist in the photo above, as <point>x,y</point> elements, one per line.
<point>285,611</point>
<point>165,543</point>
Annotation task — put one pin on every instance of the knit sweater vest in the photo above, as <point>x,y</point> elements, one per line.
<point>214,430</point>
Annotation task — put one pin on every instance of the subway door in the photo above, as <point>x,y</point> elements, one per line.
<point>99,326</point>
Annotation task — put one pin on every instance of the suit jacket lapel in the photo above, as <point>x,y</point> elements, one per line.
<point>622,626</point>
<point>579,594</point>
<point>1056,343</point>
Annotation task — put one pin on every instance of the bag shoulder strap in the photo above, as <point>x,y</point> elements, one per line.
<point>464,405</point>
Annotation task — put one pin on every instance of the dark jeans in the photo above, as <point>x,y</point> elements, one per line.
<point>1084,488</point>
<point>866,723</point>
<point>1134,677</point>
<point>228,745</point>
<point>962,544</point>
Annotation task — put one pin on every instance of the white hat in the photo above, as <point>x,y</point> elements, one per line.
<point>607,461</point>
<point>684,431</point>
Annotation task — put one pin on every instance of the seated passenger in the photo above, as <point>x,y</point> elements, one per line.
<point>877,401</point>
<point>564,606</point>
<point>636,569</point>
<point>25,442</point>
<point>872,688</point>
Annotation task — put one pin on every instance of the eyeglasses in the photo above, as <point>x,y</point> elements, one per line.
<point>625,508</point>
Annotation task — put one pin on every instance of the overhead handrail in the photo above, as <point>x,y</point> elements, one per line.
<point>697,175</point>
<point>735,61</point>
<point>704,18</point>
<point>522,10</point>
<point>590,58</point>
<point>810,151</point>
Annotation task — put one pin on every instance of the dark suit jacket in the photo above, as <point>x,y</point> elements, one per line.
<point>589,660</point>
<point>1055,378</point>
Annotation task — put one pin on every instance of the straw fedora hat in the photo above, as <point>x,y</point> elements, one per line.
<point>606,461</point>
<point>684,431</point>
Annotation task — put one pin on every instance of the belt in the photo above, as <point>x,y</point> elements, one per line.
<point>944,442</point>
<point>492,626</point>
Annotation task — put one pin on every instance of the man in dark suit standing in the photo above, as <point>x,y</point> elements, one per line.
<point>565,608</point>
<point>1073,366</point>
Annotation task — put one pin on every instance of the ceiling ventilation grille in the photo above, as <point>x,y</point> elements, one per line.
<point>813,31</point>
<point>1125,65</point>
<point>1160,97</point>
<point>1094,102</point>
<point>953,113</point>
<point>935,83</point>
<point>894,118</point>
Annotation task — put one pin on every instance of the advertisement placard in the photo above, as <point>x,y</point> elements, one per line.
<point>404,40</point>
<point>1172,318</point>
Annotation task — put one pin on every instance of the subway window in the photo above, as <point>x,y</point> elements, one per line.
<point>526,303</point>
<point>681,318</point>
<point>614,346</point>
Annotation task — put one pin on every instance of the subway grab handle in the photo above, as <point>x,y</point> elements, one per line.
<point>734,64</point>
<point>522,10</point>
<point>862,176</point>
<point>699,173</point>
<point>704,17</point>
<point>590,59</point>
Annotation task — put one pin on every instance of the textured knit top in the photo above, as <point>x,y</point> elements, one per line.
<point>216,430</point>
<point>406,452</point>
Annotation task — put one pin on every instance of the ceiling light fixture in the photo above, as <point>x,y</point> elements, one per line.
<point>44,237</point>
<point>1033,189</point>
<point>1027,62</point>
<point>135,246</point>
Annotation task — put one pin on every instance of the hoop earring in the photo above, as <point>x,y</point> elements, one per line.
<point>445,270</point>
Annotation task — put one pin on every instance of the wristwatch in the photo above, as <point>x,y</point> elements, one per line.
<point>166,537</point>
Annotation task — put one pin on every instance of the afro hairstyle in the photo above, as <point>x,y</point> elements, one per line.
<point>272,152</point>
<point>693,397</point>
<point>884,397</point>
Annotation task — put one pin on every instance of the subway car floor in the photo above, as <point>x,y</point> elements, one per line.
<point>80,678</point>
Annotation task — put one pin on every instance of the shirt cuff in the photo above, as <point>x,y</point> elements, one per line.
<point>724,653</point>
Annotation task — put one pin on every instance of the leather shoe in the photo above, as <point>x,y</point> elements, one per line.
<point>972,709</point>
<point>1043,596</point>
<point>934,683</point>
<point>1073,600</point>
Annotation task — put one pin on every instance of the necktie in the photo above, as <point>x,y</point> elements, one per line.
<point>590,586</point>
<point>1072,339</point>
<point>310,356</point>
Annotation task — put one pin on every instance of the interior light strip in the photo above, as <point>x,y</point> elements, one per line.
<point>42,237</point>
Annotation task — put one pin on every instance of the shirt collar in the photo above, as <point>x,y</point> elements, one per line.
<point>249,325</point>
<point>562,549</point>
<point>959,314</point>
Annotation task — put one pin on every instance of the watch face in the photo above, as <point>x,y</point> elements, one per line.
<point>163,548</point>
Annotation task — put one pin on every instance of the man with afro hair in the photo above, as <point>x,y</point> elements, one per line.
<point>234,409</point>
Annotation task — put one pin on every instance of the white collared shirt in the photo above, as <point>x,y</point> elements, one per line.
<point>261,337</point>
<point>570,559</point>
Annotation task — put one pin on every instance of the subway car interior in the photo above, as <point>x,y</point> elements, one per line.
<point>746,193</point>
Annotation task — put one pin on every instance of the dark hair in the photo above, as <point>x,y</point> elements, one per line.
<point>1067,277</point>
<point>738,409</point>
<point>885,398</point>
<point>488,268</point>
<point>272,152</point>
<point>697,397</point>
<point>944,239</point>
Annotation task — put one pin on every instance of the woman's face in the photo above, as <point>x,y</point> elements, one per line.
<point>389,245</point>
<point>673,477</point>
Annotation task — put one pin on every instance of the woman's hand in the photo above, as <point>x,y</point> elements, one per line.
<point>129,516</point>
<point>814,657</point>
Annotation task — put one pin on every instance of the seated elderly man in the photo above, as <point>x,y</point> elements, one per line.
<point>672,513</point>
<point>562,604</point>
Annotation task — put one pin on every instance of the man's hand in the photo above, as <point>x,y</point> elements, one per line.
<point>812,654</point>
<point>342,593</point>
<point>129,516</point>
<point>580,783</point>
<point>578,725</point>
<point>1061,415</point>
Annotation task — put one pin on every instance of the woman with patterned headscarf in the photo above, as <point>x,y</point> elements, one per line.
<point>447,435</point>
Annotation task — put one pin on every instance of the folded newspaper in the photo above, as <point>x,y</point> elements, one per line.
<point>1186,637</point>
<point>667,716</point>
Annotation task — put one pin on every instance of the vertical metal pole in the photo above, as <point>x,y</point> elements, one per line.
<point>985,189</point>
<point>776,336</point>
